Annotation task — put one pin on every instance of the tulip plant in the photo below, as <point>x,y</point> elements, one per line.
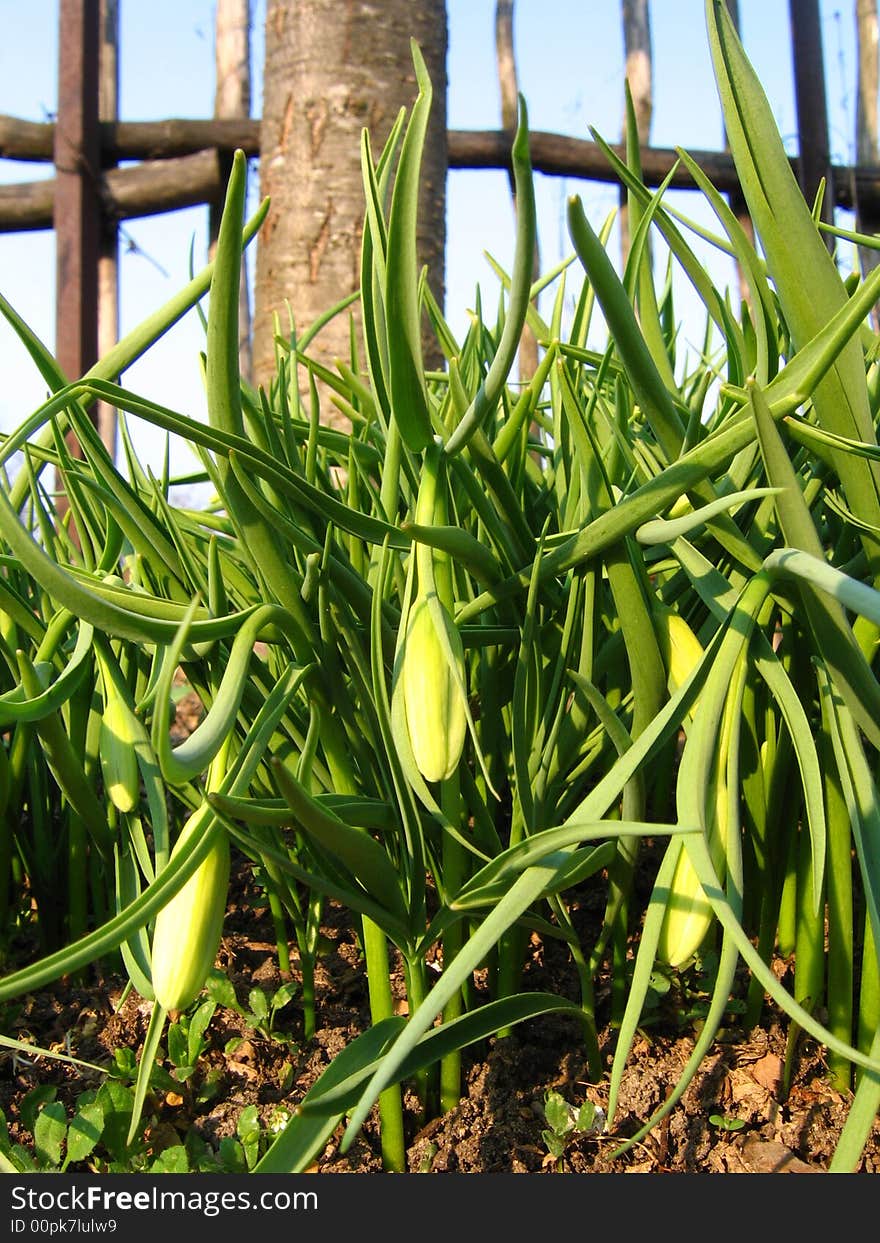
<point>463,660</point>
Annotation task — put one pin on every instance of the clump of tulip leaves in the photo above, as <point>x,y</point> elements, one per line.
<point>468,655</point>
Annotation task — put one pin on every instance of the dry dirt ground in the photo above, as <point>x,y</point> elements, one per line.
<point>498,1125</point>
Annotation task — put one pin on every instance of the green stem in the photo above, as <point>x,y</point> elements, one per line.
<point>382,1007</point>
<point>307,976</point>
<point>809,953</point>
<point>841,947</point>
<point>869,994</point>
<point>786,927</point>
<point>5,836</point>
<point>77,877</point>
<point>280,926</point>
<point>454,875</point>
<point>425,1079</point>
<point>512,942</point>
<point>648,677</point>
<point>585,977</point>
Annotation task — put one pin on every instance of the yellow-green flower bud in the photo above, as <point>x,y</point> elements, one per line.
<point>188,928</point>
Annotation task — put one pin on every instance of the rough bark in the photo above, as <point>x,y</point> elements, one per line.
<point>331,69</point>
<point>509,86</point>
<point>637,68</point>
<point>232,101</point>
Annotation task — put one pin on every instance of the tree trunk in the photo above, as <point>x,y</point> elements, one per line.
<point>232,101</point>
<point>637,53</point>
<point>332,69</point>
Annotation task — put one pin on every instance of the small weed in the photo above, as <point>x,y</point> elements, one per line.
<point>262,1008</point>
<point>566,1122</point>
<point>92,1134</point>
<point>724,1123</point>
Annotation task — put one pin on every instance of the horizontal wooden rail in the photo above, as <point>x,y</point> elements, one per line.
<point>133,140</point>
<point>126,193</point>
<point>181,167</point>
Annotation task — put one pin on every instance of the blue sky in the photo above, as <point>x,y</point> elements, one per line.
<point>570,60</point>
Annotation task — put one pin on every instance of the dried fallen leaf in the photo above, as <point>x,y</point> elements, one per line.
<point>242,1068</point>
<point>770,1157</point>
<point>767,1071</point>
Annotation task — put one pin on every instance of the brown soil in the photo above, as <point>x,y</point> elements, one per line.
<point>497,1126</point>
<point>776,1091</point>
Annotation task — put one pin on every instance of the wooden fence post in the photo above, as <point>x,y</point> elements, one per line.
<point>814,157</point>
<point>108,263</point>
<point>77,206</point>
<point>76,211</point>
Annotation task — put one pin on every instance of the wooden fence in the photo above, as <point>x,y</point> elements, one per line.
<point>183,163</point>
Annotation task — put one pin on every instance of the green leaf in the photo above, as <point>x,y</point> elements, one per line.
<point>198,1025</point>
<point>115,1101</point>
<point>148,1060</point>
<point>116,930</point>
<point>178,1045</point>
<point>708,878</point>
<point>221,990</point>
<point>50,1130</point>
<point>409,398</point>
<point>558,1113</point>
<point>305,1135</point>
<point>492,386</point>
<point>365,858</point>
<point>34,1101</point>
<point>223,380</point>
<point>84,1131</point>
<point>258,1005</point>
<point>248,1131</point>
<point>554,1144</point>
<point>284,995</point>
<point>327,1097</point>
<point>665,530</point>
<point>806,278</point>
<point>650,391</point>
<point>121,356</point>
<point>172,1160</point>
<point>191,757</point>
<point>827,620</point>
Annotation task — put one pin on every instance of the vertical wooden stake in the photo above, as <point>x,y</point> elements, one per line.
<point>812,111</point>
<point>108,262</point>
<point>77,212</point>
